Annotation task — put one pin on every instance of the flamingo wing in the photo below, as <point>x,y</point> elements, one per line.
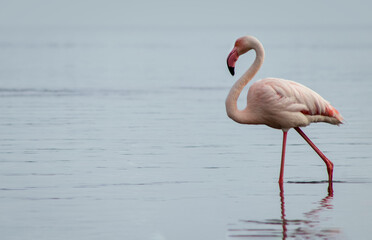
<point>290,102</point>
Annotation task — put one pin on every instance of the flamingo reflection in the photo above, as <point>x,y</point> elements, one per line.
<point>284,228</point>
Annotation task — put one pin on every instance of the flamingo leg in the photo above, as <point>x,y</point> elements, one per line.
<point>325,159</point>
<point>283,157</point>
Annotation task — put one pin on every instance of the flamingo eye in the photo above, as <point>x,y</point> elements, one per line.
<point>238,42</point>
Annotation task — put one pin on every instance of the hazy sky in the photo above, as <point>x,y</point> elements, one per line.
<point>190,12</point>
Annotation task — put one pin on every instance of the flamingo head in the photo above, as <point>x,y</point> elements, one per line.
<point>242,45</point>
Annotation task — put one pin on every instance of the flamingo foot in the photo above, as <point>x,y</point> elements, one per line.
<point>330,188</point>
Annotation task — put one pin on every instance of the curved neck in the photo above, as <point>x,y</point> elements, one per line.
<point>243,116</point>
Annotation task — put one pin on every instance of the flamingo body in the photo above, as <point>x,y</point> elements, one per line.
<point>284,104</point>
<point>277,103</point>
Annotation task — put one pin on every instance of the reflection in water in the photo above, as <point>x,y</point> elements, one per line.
<point>284,228</point>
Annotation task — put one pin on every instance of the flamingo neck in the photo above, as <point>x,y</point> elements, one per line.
<point>244,116</point>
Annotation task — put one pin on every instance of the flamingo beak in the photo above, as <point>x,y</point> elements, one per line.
<point>231,60</point>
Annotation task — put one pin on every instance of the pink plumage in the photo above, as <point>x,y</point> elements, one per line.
<point>277,103</point>
<point>284,104</point>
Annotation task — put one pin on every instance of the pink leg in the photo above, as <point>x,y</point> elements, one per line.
<point>283,157</point>
<point>325,159</point>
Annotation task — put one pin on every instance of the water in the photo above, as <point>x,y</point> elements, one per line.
<point>121,133</point>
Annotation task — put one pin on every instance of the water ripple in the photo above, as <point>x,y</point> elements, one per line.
<point>46,92</point>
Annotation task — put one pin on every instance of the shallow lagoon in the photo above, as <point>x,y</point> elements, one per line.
<point>121,133</point>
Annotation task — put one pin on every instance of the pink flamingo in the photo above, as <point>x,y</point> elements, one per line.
<point>277,103</point>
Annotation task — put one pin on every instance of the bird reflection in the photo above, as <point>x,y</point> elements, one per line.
<point>284,228</point>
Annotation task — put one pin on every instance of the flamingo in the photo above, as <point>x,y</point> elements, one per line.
<point>277,103</point>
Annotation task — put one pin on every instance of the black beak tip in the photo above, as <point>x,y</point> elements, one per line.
<point>232,70</point>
